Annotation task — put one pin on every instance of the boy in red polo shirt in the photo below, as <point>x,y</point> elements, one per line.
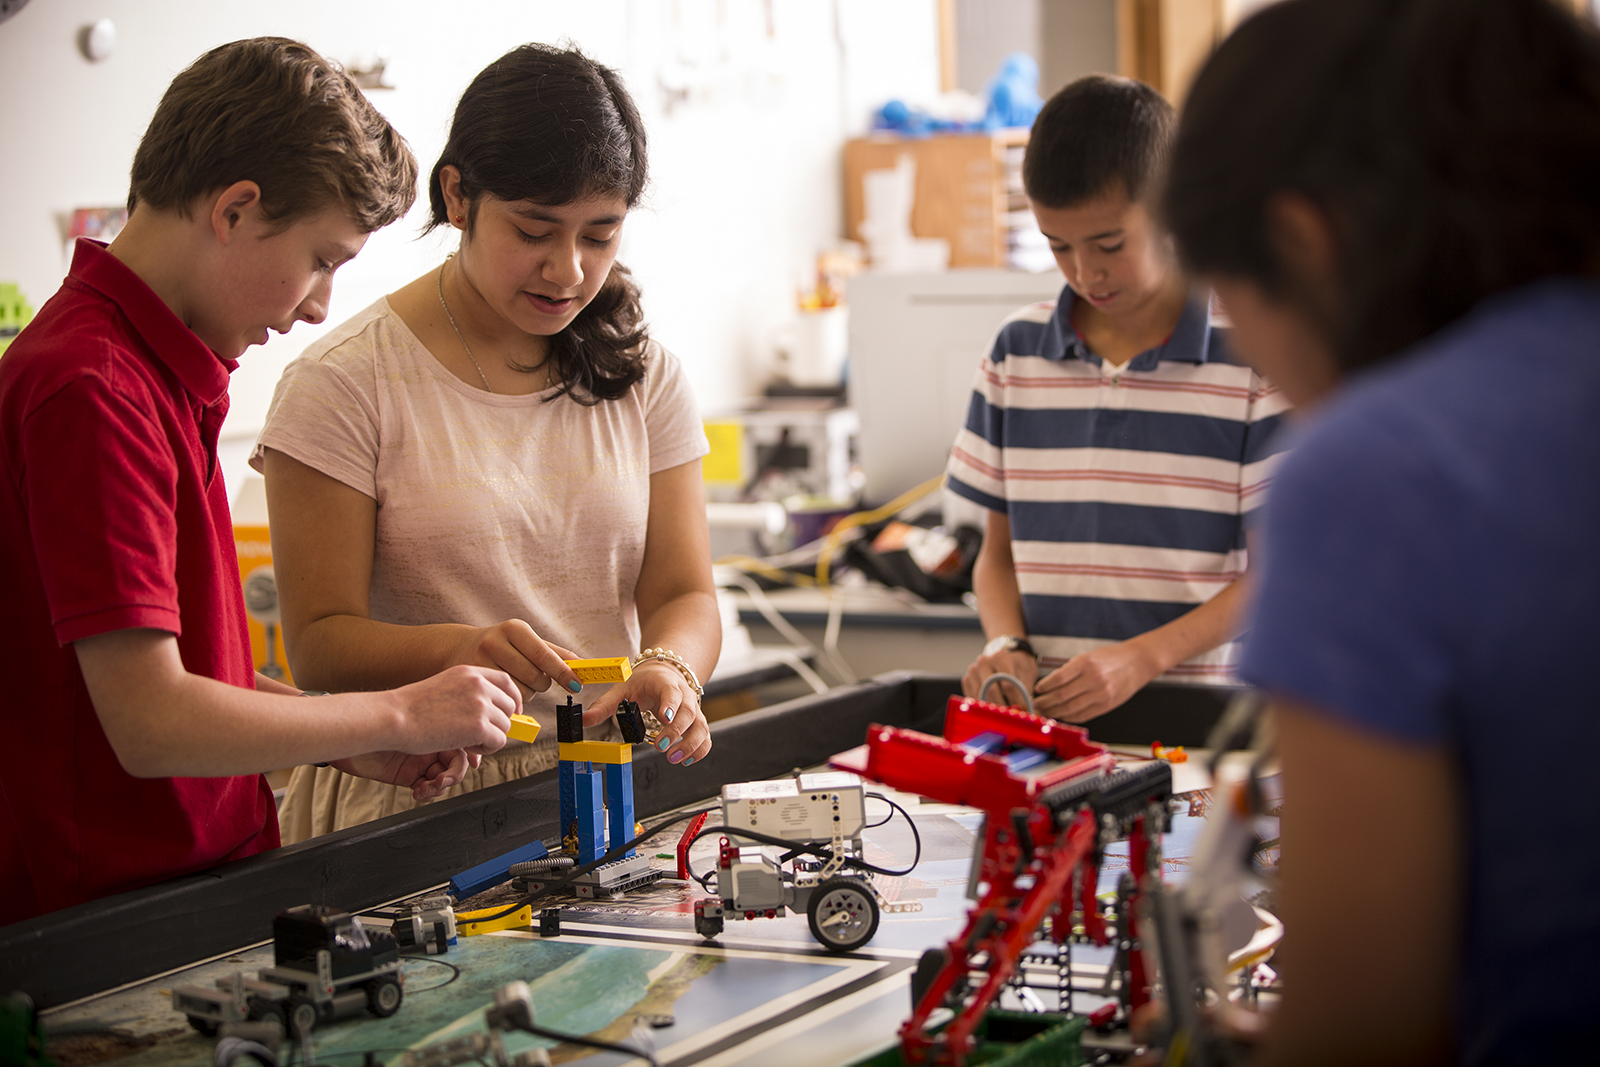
<point>136,725</point>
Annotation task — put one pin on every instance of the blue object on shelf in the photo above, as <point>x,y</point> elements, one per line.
<point>1013,93</point>
<point>1011,100</point>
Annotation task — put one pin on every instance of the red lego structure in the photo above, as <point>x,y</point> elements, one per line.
<point>1043,843</point>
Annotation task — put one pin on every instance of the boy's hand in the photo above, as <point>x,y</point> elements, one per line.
<point>662,690</point>
<point>1092,683</point>
<point>462,707</point>
<point>1014,662</point>
<point>513,647</point>
<point>427,775</point>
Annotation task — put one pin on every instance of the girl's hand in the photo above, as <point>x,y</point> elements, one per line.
<point>662,690</point>
<point>513,647</point>
<point>427,775</point>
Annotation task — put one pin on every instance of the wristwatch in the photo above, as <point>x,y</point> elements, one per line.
<point>1009,643</point>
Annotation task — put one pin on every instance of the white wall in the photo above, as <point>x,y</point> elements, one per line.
<point>989,30</point>
<point>1076,37</point>
<point>747,103</point>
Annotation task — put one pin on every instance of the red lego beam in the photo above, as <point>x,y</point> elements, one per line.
<point>942,770</point>
<point>966,718</point>
<point>933,767</point>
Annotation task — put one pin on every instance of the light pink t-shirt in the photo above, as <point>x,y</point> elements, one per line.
<point>490,507</point>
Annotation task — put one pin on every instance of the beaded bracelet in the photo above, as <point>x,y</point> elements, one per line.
<point>666,655</point>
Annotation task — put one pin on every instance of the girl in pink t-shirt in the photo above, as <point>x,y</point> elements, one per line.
<point>494,465</point>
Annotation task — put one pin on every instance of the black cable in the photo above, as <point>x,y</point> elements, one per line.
<point>329,1055</point>
<point>455,971</point>
<point>823,851</point>
<point>578,872</point>
<point>916,837</point>
<point>604,1046</point>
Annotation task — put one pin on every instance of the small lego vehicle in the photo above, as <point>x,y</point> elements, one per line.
<point>815,809</point>
<point>326,964</point>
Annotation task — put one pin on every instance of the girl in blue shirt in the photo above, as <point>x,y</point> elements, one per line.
<point>1399,203</point>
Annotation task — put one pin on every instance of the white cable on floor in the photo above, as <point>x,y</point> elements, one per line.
<point>803,669</point>
<point>830,637</point>
<point>775,619</point>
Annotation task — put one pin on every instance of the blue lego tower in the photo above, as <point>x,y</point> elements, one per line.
<point>596,781</point>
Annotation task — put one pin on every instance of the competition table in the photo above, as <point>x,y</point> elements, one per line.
<point>764,992</point>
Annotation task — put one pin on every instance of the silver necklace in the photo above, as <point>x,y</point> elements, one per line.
<point>465,347</point>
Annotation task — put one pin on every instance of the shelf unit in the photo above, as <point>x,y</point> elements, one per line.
<point>968,189</point>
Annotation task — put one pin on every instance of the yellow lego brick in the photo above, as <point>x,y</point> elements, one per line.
<point>467,922</point>
<point>595,751</point>
<point>523,728</point>
<point>601,671</point>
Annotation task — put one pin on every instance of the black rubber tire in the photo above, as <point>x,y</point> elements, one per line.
<point>300,1011</point>
<point>384,996</point>
<point>205,1026</point>
<point>928,968</point>
<point>262,1011</point>
<point>848,895</point>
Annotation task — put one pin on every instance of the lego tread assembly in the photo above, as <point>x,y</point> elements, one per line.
<point>326,964</point>
<point>1034,862</point>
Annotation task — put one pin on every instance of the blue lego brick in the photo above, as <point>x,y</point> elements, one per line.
<point>589,792</point>
<point>619,804</point>
<point>565,776</point>
<point>985,743</point>
<point>491,873</point>
<point>1025,758</point>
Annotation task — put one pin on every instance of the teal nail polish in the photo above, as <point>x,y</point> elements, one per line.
<point>688,761</point>
<point>664,744</point>
<point>575,685</point>
<point>668,714</point>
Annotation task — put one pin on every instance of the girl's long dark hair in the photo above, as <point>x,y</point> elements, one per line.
<point>1455,144</point>
<point>553,126</point>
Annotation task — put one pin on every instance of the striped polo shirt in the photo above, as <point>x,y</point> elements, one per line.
<point>1127,488</point>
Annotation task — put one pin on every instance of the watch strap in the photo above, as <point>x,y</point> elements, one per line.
<point>1009,643</point>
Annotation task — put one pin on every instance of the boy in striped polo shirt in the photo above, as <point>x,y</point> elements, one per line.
<point>1115,441</point>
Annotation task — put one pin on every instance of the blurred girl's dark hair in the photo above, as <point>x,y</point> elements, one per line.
<point>552,126</point>
<point>1454,144</point>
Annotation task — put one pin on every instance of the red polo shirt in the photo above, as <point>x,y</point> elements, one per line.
<point>113,515</point>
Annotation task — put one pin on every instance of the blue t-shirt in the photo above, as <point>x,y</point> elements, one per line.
<point>1430,569</point>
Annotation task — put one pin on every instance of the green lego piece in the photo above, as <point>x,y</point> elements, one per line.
<point>21,1038</point>
<point>1013,1039</point>
<point>15,313</point>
